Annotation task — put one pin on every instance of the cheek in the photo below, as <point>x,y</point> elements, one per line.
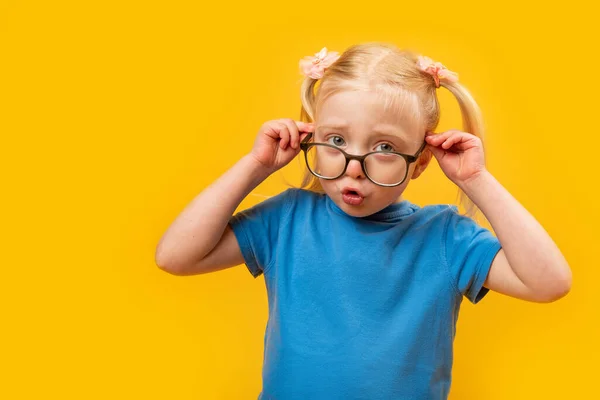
<point>328,185</point>
<point>390,195</point>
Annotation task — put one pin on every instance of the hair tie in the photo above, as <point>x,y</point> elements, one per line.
<point>315,66</point>
<point>437,70</point>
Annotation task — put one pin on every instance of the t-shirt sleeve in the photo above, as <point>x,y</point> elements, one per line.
<point>256,230</point>
<point>470,251</point>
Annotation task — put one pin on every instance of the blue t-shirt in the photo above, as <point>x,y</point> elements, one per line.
<point>361,308</point>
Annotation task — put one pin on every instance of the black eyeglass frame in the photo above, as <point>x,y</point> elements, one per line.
<point>305,146</point>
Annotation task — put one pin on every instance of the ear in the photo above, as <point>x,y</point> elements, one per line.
<point>421,163</point>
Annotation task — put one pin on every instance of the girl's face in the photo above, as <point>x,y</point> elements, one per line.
<point>357,122</point>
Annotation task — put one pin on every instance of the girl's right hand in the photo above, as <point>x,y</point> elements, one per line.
<point>278,142</point>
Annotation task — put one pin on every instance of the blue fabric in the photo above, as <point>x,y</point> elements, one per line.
<point>361,308</point>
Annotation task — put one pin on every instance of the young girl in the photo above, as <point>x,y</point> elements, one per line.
<point>364,287</point>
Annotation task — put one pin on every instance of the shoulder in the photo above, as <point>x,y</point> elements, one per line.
<point>438,210</point>
<point>446,222</point>
<point>437,215</point>
<point>299,197</point>
<point>304,193</point>
<point>286,201</point>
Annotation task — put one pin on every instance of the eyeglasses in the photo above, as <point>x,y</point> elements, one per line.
<point>383,168</point>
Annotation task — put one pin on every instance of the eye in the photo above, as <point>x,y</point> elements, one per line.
<point>384,147</point>
<point>336,141</point>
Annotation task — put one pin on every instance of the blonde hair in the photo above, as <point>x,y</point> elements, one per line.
<point>394,75</point>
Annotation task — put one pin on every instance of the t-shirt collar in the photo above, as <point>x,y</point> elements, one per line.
<point>392,213</point>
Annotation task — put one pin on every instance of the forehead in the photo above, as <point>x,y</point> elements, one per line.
<point>370,112</point>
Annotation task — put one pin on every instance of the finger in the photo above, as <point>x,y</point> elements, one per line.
<point>437,152</point>
<point>455,138</point>
<point>293,129</point>
<point>271,130</point>
<point>437,138</point>
<point>464,141</point>
<point>433,139</point>
<point>305,126</point>
<point>284,134</point>
<point>463,145</point>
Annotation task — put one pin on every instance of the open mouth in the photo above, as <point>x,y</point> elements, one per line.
<point>352,197</point>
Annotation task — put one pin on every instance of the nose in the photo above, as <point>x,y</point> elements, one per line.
<point>354,169</point>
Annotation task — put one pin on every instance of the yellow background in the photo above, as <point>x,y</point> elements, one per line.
<point>114,115</point>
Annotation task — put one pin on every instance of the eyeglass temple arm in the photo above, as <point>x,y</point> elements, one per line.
<point>307,138</point>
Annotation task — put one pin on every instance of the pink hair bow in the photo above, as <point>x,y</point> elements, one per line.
<point>437,70</point>
<point>315,67</point>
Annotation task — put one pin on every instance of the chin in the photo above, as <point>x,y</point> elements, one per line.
<point>355,211</point>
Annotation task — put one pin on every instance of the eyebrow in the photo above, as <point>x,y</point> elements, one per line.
<point>380,130</point>
<point>334,126</point>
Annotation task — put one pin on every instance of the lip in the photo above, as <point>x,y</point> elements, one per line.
<point>352,199</point>
<point>348,189</point>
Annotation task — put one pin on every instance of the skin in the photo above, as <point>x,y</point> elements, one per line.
<point>359,123</point>
<point>529,266</point>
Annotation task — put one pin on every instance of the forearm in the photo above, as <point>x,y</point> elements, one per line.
<point>199,227</point>
<point>530,251</point>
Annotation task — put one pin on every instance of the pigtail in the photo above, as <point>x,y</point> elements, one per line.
<point>307,114</point>
<point>307,97</point>
<point>472,123</point>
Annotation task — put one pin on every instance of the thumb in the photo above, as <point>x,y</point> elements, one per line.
<point>436,151</point>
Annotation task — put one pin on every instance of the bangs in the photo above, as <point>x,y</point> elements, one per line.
<point>402,103</point>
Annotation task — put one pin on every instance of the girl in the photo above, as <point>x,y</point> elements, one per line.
<point>364,287</point>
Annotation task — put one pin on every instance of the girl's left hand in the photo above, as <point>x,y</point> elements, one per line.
<point>459,154</point>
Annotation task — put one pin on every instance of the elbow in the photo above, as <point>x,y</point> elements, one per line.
<point>560,287</point>
<point>166,263</point>
<point>176,266</point>
<point>554,295</point>
<point>171,268</point>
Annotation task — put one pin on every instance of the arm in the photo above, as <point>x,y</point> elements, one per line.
<point>529,266</point>
<point>200,239</point>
